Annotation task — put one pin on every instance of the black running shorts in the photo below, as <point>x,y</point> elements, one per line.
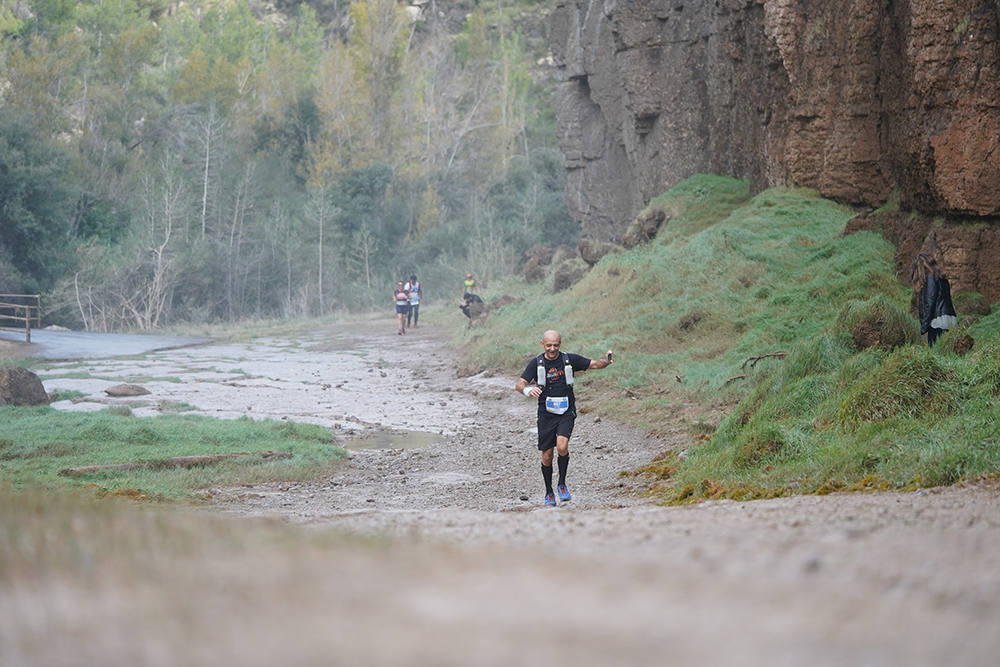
<point>550,426</point>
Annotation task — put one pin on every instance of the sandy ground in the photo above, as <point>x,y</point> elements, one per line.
<point>441,553</point>
<point>13,349</point>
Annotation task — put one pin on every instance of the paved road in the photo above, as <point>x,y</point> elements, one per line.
<point>89,345</point>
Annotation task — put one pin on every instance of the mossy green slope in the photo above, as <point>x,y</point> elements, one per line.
<point>761,305</point>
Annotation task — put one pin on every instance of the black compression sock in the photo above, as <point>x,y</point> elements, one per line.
<point>563,462</point>
<point>547,476</point>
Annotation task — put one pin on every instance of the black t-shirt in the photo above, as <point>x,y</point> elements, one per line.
<point>555,378</point>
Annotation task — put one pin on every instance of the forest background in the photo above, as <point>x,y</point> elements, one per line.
<point>165,162</point>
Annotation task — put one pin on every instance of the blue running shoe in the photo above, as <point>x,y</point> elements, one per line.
<point>550,499</point>
<point>563,492</point>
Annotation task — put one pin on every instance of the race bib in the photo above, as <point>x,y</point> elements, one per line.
<point>557,405</point>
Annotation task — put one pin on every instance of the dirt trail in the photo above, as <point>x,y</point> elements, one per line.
<point>465,572</point>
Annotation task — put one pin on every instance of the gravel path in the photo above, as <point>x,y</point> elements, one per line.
<point>844,579</point>
<point>456,568</point>
<point>483,459</point>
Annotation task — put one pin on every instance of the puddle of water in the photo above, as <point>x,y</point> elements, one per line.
<point>393,440</point>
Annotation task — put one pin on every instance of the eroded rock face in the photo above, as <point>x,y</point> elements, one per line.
<point>19,386</point>
<point>856,99</point>
<point>967,251</point>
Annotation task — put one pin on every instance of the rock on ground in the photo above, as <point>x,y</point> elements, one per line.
<point>19,386</point>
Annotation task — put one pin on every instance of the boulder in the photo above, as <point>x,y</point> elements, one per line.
<point>592,250</point>
<point>534,272</point>
<point>120,390</point>
<point>540,254</point>
<point>564,252</point>
<point>568,273</point>
<point>19,386</point>
<point>499,303</point>
<point>644,228</point>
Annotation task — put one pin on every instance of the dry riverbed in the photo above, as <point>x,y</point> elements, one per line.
<point>438,551</point>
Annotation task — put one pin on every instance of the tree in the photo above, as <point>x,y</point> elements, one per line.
<point>211,162</point>
<point>51,17</point>
<point>41,78</point>
<point>147,298</point>
<point>345,141</point>
<point>35,203</point>
<point>321,212</point>
<point>377,45</point>
<point>361,261</point>
<point>210,128</point>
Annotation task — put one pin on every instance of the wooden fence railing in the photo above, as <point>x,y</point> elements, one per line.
<point>18,311</point>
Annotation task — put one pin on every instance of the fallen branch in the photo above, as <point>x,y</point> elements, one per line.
<point>734,379</point>
<point>175,462</point>
<point>753,360</point>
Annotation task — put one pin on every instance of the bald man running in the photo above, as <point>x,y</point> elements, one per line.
<point>552,372</point>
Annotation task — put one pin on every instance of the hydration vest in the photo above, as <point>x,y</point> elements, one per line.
<point>414,290</point>
<point>567,368</point>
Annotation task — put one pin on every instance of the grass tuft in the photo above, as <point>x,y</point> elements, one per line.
<point>911,382</point>
<point>758,442</point>
<point>877,322</point>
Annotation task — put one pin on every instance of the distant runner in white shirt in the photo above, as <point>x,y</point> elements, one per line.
<point>413,287</point>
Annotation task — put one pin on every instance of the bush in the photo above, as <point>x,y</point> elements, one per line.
<point>985,366</point>
<point>877,322</point>
<point>957,341</point>
<point>859,365</point>
<point>910,382</point>
<point>757,443</point>
<point>822,354</point>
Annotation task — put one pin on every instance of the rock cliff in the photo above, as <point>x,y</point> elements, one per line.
<point>862,100</point>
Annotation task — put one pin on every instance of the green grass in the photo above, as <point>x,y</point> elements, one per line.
<point>65,395</point>
<point>175,406</point>
<point>729,277</point>
<point>760,306</point>
<point>36,443</point>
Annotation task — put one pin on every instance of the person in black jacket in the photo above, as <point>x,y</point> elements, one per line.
<point>471,306</point>
<point>933,297</point>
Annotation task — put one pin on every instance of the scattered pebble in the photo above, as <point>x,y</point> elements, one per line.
<point>811,564</point>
